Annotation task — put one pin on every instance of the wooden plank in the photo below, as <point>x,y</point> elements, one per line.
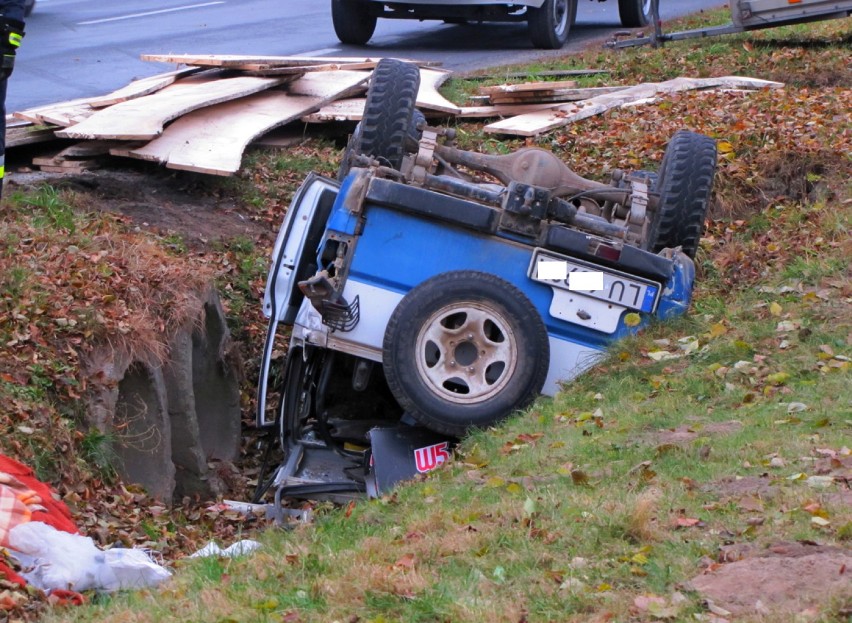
<point>271,70</point>
<point>71,112</point>
<point>428,96</point>
<point>428,99</point>
<point>29,135</point>
<point>78,166</point>
<point>237,60</point>
<point>561,95</point>
<point>330,85</point>
<point>528,86</point>
<point>77,152</point>
<point>535,123</point>
<point>61,114</point>
<point>555,73</point>
<point>351,109</point>
<point>212,140</point>
<point>143,118</point>
<point>66,117</point>
<point>503,110</point>
<point>280,138</point>
<point>142,87</point>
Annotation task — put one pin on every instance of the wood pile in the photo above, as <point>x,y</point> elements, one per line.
<point>203,116</point>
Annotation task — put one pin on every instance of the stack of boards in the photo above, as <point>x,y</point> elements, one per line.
<point>203,116</point>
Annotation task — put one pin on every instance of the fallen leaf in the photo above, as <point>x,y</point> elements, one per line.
<point>406,562</point>
<point>686,522</point>
<point>643,602</point>
<point>778,378</point>
<point>632,319</point>
<point>579,477</point>
<point>718,330</point>
<point>820,482</point>
<point>662,355</point>
<point>751,504</point>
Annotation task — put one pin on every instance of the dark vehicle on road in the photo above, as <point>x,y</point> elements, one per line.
<point>549,21</point>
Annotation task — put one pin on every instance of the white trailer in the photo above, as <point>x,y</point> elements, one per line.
<point>746,15</point>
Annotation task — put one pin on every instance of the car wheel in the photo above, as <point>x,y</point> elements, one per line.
<point>353,21</point>
<point>297,395</point>
<point>634,13</point>
<point>550,23</point>
<point>685,183</point>
<point>465,349</point>
<point>388,115</point>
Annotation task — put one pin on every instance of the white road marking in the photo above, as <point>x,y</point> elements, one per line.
<point>147,13</point>
<point>319,52</point>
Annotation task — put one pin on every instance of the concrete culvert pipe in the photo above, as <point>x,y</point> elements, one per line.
<point>168,420</point>
<point>142,432</point>
<point>216,384</point>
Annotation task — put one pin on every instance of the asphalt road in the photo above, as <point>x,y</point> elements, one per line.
<point>81,48</point>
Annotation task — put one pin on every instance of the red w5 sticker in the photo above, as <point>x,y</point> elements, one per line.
<point>428,458</point>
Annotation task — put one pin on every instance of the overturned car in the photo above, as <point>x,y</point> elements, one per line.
<point>430,290</point>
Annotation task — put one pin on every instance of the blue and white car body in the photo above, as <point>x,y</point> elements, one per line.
<point>350,255</point>
<point>396,248</point>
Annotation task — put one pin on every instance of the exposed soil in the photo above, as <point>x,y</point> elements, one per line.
<point>687,433</point>
<point>200,209</point>
<point>782,580</point>
<point>748,485</point>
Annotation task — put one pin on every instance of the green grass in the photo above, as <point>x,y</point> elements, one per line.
<point>571,509</point>
<point>614,489</point>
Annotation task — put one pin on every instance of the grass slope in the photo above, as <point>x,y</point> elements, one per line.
<point>602,504</point>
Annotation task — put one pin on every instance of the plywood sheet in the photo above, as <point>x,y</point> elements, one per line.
<point>272,70</point>
<point>503,110</point>
<point>428,96</point>
<point>28,135</point>
<point>212,140</point>
<point>143,118</point>
<point>351,109</point>
<point>74,111</point>
<point>555,96</point>
<point>142,87</point>
<point>528,86</point>
<point>535,123</point>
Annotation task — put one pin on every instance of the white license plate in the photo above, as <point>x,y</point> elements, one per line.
<point>616,287</point>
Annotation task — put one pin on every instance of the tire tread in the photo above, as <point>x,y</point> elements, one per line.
<point>388,110</point>
<point>685,184</point>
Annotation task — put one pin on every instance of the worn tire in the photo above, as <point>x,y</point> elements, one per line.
<point>353,21</point>
<point>297,397</point>
<point>634,13</point>
<point>389,115</point>
<point>464,350</point>
<point>550,24</point>
<point>412,140</point>
<point>685,184</point>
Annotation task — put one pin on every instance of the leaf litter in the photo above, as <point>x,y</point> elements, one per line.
<point>773,191</point>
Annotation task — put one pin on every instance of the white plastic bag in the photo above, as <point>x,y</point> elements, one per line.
<point>239,548</point>
<point>55,559</point>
